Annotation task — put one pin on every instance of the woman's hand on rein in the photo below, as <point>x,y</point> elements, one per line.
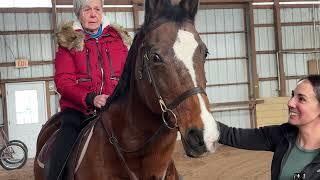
<point>100,100</point>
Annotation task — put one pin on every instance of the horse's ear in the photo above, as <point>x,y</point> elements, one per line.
<point>153,8</point>
<point>190,6</point>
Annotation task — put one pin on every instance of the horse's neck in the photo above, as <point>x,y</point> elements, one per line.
<point>131,120</point>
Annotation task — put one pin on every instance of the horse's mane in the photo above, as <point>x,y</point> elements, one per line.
<point>124,82</point>
<point>170,12</point>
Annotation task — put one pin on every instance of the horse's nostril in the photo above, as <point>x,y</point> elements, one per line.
<point>195,137</point>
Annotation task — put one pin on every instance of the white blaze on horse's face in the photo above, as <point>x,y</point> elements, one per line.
<point>184,48</point>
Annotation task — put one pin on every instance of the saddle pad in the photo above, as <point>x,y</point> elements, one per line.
<point>85,135</point>
<point>46,150</point>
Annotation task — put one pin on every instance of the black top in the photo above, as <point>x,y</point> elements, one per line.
<point>278,139</point>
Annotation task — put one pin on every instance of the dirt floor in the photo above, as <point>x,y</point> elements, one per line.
<point>226,164</point>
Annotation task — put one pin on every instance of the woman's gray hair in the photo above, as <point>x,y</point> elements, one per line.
<point>78,4</point>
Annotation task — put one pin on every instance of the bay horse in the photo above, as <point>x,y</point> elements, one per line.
<point>160,93</point>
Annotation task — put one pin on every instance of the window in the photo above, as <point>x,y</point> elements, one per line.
<point>26,107</point>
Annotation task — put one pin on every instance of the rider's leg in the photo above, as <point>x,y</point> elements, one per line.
<point>66,137</point>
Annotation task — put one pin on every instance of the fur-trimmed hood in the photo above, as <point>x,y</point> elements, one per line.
<point>70,34</point>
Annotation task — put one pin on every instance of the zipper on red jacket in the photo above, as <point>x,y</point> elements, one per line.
<point>112,76</point>
<point>100,64</point>
<point>88,63</point>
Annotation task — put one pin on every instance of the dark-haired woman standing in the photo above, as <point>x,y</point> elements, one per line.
<point>296,144</point>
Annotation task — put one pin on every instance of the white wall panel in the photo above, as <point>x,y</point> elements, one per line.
<point>33,21</point>
<point>266,65</point>
<point>3,72</point>
<point>295,64</point>
<point>297,37</point>
<point>36,71</point>
<point>48,70</point>
<point>225,45</point>
<point>220,20</point>
<point>36,47</point>
<point>226,71</point>
<point>23,46</point>
<point>230,93</point>
<point>22,21</point>
<point>25,72</point>
<point>45,21</point>
<point>65,17</point>
<point>237,118</point>
<point>1,22</point>
<point>240,44</point>
<point>3,49</point>
<point>268,89</point>
<point>16,73</point>
<point>264,38</point>
<point>13,73</point>
<point>124,19</point>
<point>201,20</point>
<point>11,50</point>
<point>263,16</point>
<point>296,14</point>
<point>46,47</point>
<point>8,18</point>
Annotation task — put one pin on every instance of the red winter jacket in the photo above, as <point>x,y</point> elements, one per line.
<point>85,65</point>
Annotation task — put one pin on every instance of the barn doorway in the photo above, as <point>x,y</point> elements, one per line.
<point>26,110</point>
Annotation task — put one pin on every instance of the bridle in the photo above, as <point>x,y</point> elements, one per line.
<point>166,110</point>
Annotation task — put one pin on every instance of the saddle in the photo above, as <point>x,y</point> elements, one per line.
<point>79,148</point>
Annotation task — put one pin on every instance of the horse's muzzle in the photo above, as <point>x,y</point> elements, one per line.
<point>193,142</point>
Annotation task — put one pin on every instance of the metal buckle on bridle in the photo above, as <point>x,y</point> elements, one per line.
<point>168,111</point>
<point>113,140</point>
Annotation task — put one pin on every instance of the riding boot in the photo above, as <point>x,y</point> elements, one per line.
<point>62,147</point>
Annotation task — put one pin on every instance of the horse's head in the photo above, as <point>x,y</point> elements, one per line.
<point>170,75</point>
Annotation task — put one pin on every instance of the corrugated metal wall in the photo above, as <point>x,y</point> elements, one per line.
<point>223,31</point>
<point>299,38</point>
<point>266,62</point>
<point>34,47</point>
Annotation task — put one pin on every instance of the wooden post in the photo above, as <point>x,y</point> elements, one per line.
<point>278,46</point>
<point>251,64</point>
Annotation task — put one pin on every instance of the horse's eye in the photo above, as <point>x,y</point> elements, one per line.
<point>206,54</point>
<point>156,58</point>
